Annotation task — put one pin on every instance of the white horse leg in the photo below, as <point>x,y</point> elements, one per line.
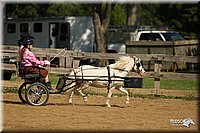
<point>83,95</point>
<point>70,93</point>
<point>82,87</point>
<point>80,92</point>
<point>70,97</point>
<point>126,92</point>
<point>109,96</point>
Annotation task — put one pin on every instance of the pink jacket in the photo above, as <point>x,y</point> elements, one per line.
<point>29,59</point>
<point>19,50</point>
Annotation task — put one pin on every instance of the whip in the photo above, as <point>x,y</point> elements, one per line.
<point>58,53</point>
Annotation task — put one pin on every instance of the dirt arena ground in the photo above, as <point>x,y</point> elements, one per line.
<point>143,115</point>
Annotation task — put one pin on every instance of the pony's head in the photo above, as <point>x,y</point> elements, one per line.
<point>138,66</point>
<point>128,63</point>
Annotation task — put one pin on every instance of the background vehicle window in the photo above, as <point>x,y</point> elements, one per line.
<point>23,27</point>
<point>11,28</point>
<point>144,36</point>
<point>37,27</point>
<point>150,36</point>
<point>172,36</point>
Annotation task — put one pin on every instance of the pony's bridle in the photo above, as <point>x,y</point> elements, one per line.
<point>137,63</point>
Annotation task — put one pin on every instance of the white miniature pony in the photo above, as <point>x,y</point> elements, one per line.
<point>111,77</point>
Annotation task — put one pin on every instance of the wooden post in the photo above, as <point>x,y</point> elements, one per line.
<point>61,61</point>
<point>149,62</point>
<point>174,53</point>
<point>69,62</point>
<point>157,70</point>
<point>76,62</point>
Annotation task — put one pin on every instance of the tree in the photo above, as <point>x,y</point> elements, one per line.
<point>46,10</point>
<point>69,10</point>
<point>21,10</point>
<point>101,22</point>
<point>118,15</point>
<point>133,14</point>
<point>180,17</point>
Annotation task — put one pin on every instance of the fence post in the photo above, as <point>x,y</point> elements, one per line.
<point>69,61</point>
<point>62,62</point>
<point>157,70</point>
<point>173,50</point>
<point>76,62</point>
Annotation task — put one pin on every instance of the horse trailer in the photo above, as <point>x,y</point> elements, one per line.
<point>73,33</point>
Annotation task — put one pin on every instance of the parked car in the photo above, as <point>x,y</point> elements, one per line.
<point>7,74</point>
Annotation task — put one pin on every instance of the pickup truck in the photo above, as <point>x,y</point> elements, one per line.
<point>116,36</point>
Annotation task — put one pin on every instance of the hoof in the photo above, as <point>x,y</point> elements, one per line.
<point>85,100</point>
<point>108,105</point>
<point>70,101</point>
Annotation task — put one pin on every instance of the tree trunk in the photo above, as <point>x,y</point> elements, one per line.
<point>101,24</point>
<point>133,14</point>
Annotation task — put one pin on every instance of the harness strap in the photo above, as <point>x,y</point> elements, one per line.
<point>82,73</point>
<point>74,74</point>
<point>109,78</point>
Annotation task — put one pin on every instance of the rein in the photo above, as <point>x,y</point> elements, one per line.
<point>120,69</point>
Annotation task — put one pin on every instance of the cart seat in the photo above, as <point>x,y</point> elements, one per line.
<point>30,76</point>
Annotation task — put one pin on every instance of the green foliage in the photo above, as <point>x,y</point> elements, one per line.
<point>22,10</point>
<point>180,17</point>
<point>43,10</point>
<point>69,10</point>
<point>149,15</point>
<point>118,16</point>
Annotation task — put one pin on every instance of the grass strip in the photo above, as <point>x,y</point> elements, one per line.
<point>95,93</point>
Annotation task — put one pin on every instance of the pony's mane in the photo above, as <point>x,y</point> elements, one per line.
<point>122,62</point>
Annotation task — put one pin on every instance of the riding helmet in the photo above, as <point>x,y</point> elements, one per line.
<point>22,37</point>
<point>27,41</point>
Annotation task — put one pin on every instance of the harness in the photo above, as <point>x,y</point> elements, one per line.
<point>109,78</point>
<point>108,72</point>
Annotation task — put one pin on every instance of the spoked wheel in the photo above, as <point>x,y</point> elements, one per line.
<point>37,94</point>
<point>21,91</point>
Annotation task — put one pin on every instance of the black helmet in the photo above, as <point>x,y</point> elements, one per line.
<point>22,37</point>
<point>27,41</point>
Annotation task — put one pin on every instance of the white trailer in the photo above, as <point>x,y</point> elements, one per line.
<point>73,33</point>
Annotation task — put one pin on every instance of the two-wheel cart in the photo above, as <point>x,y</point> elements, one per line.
<point>34,92</point>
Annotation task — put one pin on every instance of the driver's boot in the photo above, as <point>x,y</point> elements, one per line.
<point>48,84</point>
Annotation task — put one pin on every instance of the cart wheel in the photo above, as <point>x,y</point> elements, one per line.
<point>21,92</point>
<point>37,94</point>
